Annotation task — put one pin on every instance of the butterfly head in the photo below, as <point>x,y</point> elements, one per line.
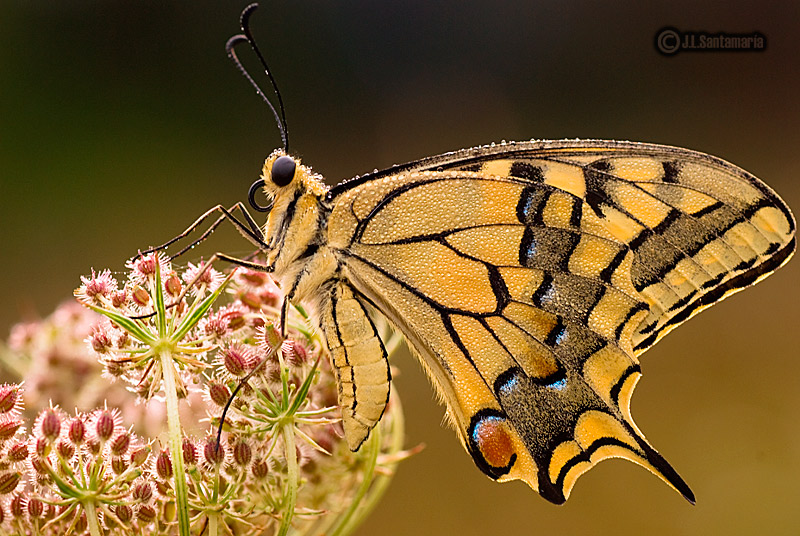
<point>283,174</point>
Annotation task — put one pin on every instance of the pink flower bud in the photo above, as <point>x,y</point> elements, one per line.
<point>216,326</point>
<point>77,431</point>
<point>218,393</point>
<point>40,465</point>
<point>260,469</point>
<point>173,286</point>
<point>235,317</point>
<point>294,352</point>
<point>100,340</point>
<point>42,447</point>
<point>65,450</point>
<point>242,453</point>
<point>94,445</point>
<point>146,514</point>
<point>252,277</point>
<point>119,445</point>
<point>164,465</point>
<point>8,482</point>
<point>18,453</point>
<point>9,395</point>
<point>213,452</point>
<point>272,336</point>
<point>251,300</point>
<point>145,265</point>
<point>118,465</point>
<point>35,507</point>
<point>8,428</point>
<point>17,506</point>
<point>139,456</point>
<point>270,296</point>
<point>104,425</point>
<point>142,492</point>
<point>49,424</point>
<point>237,359</point>
<point>189,452</point>
<point>124,512</point>
<point>119,298</point>
<point>98,286</point>
<point>140,296</point>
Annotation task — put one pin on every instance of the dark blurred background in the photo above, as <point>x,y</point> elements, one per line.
<point>120,122</point>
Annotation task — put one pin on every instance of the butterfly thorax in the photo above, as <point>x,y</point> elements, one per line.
<point>297,252</point>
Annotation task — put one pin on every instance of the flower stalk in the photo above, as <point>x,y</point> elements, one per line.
<point>175,442</point>
<point>373,448</point>
<point>292,478</point>
<point>91,517</point>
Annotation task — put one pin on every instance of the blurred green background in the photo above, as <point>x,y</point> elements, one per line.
<point>120,122</point>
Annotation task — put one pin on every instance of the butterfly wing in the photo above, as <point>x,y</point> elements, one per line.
<point>528,277</point>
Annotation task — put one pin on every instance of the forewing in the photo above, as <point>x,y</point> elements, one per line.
<point>528,277</point>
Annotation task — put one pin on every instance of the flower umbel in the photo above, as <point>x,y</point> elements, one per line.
<point>151,325</point>
<point>189,339</point>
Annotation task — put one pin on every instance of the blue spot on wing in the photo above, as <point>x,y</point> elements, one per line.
<point>558,385</point>
<point>510,386</point>
<point>548,295</point>
<point>476,430</point>
<point>561,335</point>
<point>527,208</point>
<point>530,253</point>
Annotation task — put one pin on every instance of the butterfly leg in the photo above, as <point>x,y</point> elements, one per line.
<point>359,360</point>
<point>245,263</point>
<point>248,229</point>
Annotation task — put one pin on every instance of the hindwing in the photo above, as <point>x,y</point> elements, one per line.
<point>529,277</point>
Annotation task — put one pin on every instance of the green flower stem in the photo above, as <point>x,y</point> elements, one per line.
<point>214,516</point>
<point>373,447</point>
<point>91,517</point>
<point>382,481</point>
<point>175,441</point>
<point>292,471</point>
<point>213,524</point>
<point>158,298</point>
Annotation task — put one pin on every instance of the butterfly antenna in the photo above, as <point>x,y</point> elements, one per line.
<point>247,36</point>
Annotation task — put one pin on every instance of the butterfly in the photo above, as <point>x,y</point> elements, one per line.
<point>526,277</point>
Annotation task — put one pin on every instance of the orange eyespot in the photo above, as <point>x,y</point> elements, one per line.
<point>282,170</point>
<point>490,443</point>
<point>494,442</point>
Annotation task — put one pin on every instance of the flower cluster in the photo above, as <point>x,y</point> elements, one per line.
<point>236,430</point>
<point>52,356</point>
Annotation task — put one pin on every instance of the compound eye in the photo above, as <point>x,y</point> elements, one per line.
<point>283,170</point>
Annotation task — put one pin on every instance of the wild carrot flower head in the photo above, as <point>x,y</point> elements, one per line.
<point>99,288</point>
<point>189,344</point>
<point>53,357</point>
<point>203,278</point>
<point>157,319</point>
